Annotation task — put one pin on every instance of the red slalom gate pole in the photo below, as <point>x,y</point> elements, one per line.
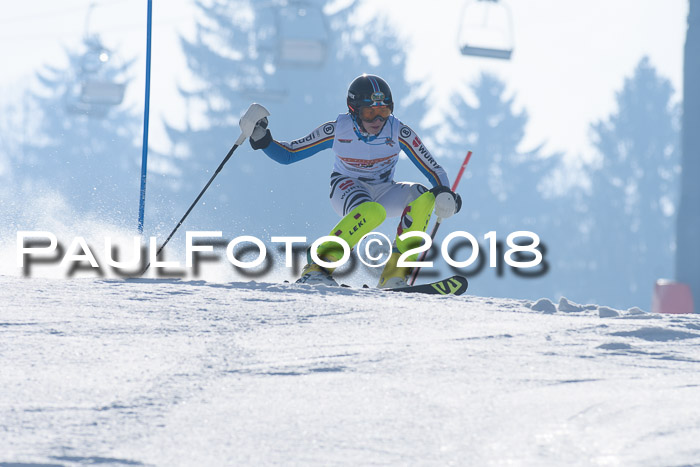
<point>414,275</point>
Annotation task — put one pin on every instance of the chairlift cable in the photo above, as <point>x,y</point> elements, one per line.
<point>86,27</point>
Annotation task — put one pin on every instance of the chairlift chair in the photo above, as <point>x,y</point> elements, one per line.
<point>264,94</point>
<point>95,90</point>
<point>303,35</point>
<point>94,93</point>
<point>486,30</point>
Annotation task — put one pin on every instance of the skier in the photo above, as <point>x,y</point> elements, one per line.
<point>366,141</point>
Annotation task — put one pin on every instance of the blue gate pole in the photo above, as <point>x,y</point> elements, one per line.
<point>144,153</point>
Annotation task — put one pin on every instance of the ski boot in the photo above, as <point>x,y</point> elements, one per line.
<point>393,276</point>
<point>313,274</point>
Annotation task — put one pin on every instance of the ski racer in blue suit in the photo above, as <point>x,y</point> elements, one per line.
<point>366,142</point>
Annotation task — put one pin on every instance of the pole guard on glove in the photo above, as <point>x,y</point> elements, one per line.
<point>261,136</point>
<point>447,202</point>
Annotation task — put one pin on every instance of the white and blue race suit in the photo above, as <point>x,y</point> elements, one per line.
<point>364,165</point>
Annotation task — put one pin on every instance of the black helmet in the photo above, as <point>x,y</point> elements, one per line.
<point>367,90</point>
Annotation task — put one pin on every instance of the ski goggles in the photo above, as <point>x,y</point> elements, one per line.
<point>369,114</point>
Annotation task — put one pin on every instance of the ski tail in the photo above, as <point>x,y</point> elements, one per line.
<point>455,285</point>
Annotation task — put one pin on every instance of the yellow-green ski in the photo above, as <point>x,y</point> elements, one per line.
<point>455,285</point>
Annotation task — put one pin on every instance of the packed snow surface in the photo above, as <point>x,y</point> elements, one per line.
<point>183,372</point>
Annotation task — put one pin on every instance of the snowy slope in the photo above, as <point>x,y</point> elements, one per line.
<point>159,372</point>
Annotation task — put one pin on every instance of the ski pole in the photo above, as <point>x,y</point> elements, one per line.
<point>414,274</point>
<point>247,123</point>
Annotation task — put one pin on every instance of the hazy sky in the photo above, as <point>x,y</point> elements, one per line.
<point>570,56</point>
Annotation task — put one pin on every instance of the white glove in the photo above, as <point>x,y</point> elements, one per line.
<point>447,202</point>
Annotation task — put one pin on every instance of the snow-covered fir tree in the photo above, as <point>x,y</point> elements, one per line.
<point>84,144</point>
<point>634,192</point>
